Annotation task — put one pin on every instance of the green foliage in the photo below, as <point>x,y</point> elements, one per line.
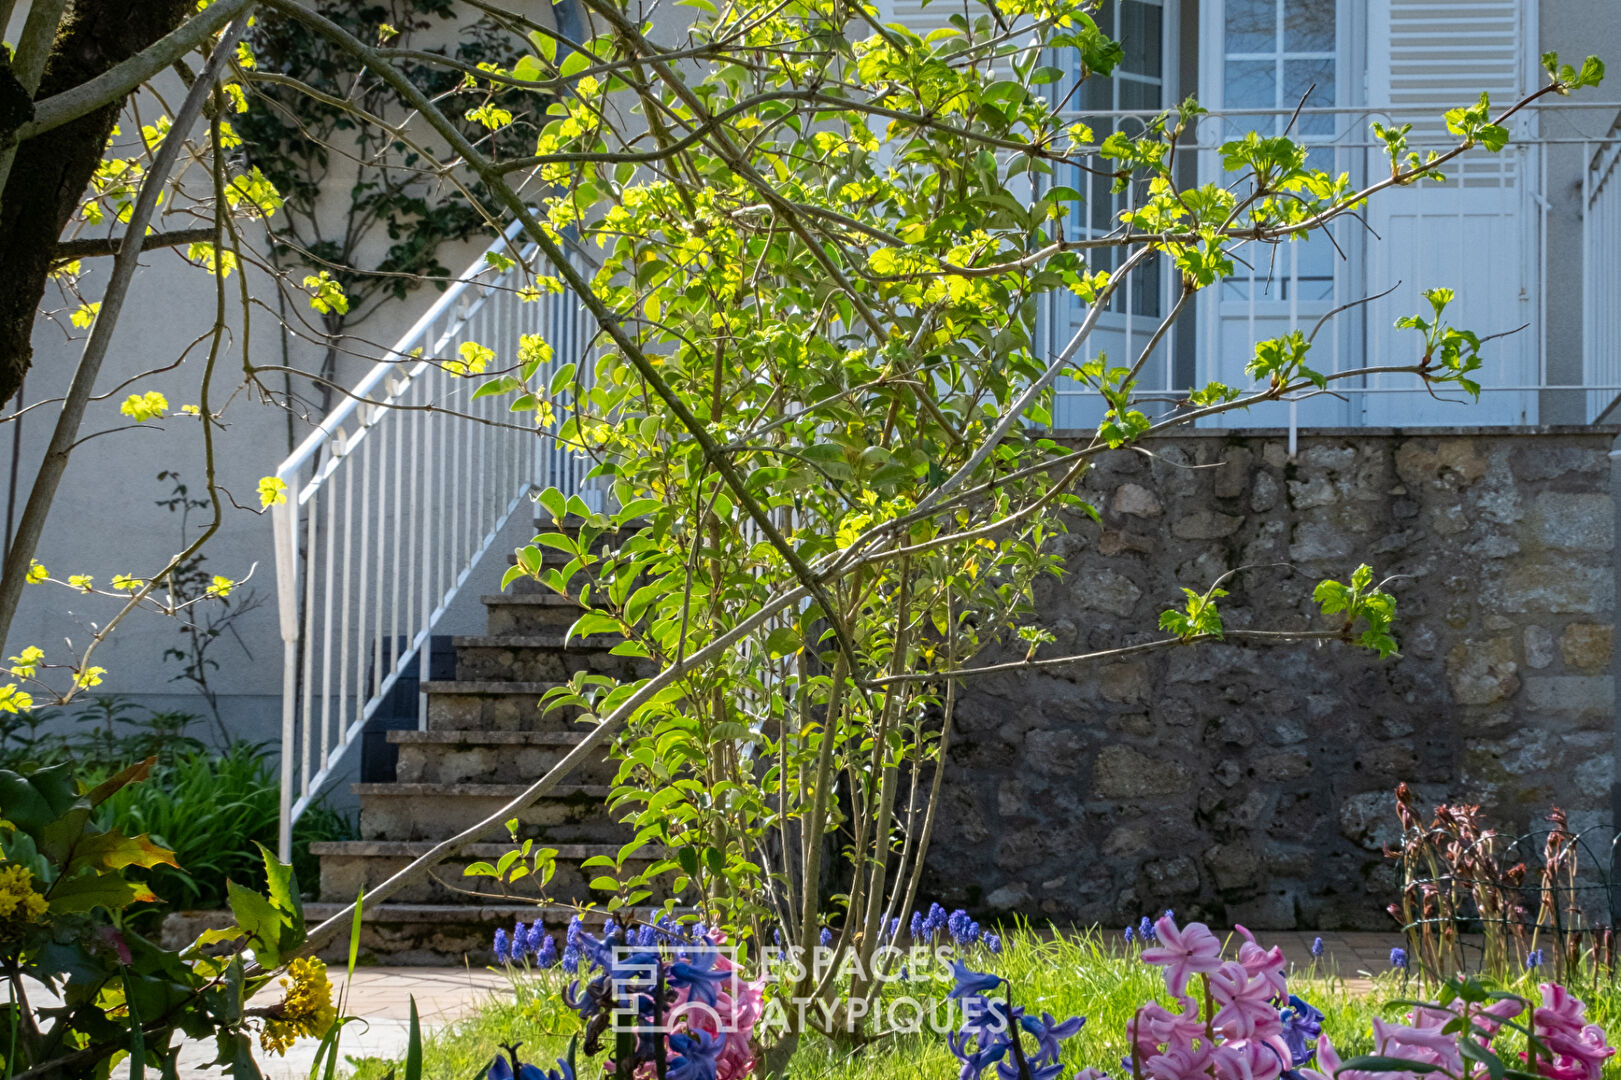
<point>1199,617</point>
<point>215,813</point>
<point>71,890</point>
<point>293,141</point>
<point>1282,361</point>
<point>1361,600</point>
<point>1566,78</point>
<point>1450,354</point>
<point>108,734</point>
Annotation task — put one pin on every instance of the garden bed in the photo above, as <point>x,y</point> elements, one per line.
<point>1089,974</point>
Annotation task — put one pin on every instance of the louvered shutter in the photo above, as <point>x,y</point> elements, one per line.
<point>1477,232</point>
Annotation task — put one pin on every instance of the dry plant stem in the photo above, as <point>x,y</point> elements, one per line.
<point>32,523</point>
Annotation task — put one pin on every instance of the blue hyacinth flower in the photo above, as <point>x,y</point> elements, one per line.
<point>695,1055</point>
<point>972,983</point>
<point>1302,1024</point>
<point>699,977</point>
<point>503,951</point>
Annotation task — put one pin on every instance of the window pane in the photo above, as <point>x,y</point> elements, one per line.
<point>1138,95</point>
<point>1314,274</point>
<point>1140,37</point>
<point>1308,26</point>
<point>1097,95</point>
<point>1250,84</point>
<point>1252,26</point>
<point>1318,77</point>
<point>1145,282</point>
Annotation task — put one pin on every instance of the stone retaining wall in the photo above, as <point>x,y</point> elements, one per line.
<point>1252,785</point>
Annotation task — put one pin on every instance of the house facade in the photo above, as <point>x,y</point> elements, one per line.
<point>1505,231</point>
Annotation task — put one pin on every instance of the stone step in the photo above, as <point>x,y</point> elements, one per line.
<point>436,934</point>
<point>529,613</point>
<point>492,757</point>
<point>571,813</point>
<point>347,866</point>
<point>542,658</point>
<point>495,705</point>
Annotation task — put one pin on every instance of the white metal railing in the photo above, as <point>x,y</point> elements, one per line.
<point>393,500</point>
<point>1601,272</point>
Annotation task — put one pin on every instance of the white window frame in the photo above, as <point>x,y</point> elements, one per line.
<point>1268,315</point>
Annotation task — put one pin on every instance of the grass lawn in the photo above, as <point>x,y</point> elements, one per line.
<point>1067,975</point>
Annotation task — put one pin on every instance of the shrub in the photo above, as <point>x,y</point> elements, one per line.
<point>212,811</point>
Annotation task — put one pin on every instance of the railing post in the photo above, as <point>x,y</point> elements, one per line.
<point>284,522</point>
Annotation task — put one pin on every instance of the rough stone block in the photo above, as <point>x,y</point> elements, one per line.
<point>1123,773</point>
<point>1571,693</point>
<point>1481,672</point>
<point>1576,521</point>
<point>1587,645</point>
<point>1136,500</point>
<point>1206,525</point>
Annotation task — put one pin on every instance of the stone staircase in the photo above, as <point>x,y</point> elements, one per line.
<point>486,740</point>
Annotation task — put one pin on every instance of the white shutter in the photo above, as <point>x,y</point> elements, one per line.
<point>1428,56</point>
<point>1477,233</point>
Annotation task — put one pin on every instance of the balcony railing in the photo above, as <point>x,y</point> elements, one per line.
<point>1483,233</point>
<point>1601,275</point>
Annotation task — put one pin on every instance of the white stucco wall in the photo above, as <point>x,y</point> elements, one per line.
<point>105,520</point>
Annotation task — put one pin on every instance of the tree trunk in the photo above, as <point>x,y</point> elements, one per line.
<point>51,171</point>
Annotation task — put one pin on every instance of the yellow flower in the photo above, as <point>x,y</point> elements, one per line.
<point>474,359</point>
<point>20,902</point>
<point>13,700</point>
<point>144,407</point>
<point>36,572</point>
<point>82,582</point>
<point>221,586</point>
<point>27,663</point>
<point>89,677</point>
<point>272,491</point>
<point>306,1011</point>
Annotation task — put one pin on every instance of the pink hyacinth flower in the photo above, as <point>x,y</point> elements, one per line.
<point>1561,1012</point>
<point>1579,1057</point>
<point>1267,965</point>
<point>1168,1028</point>
<point>1246,1004</point>
<point>1249,1059</point>
<point>1179,1063</point>
<point>1429,1046</point>
<point>1182,953</point>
